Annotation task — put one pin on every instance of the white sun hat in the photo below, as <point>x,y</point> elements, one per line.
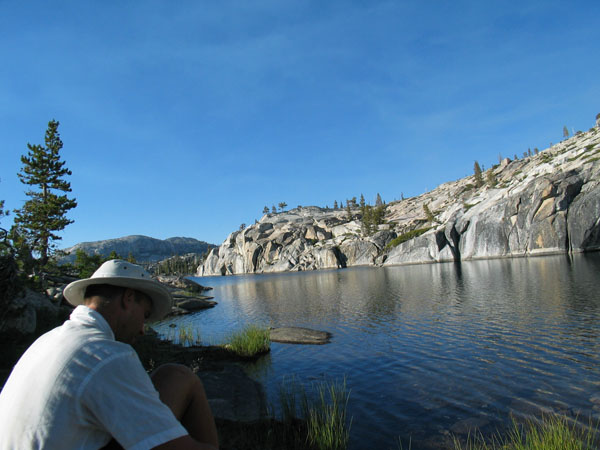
<point>121,273</point>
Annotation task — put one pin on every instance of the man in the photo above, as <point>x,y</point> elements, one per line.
<point>83,386</point>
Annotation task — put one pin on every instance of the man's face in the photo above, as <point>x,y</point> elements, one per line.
<point>137,308</point>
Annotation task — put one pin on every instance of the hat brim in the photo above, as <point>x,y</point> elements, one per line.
<point>162,301</point>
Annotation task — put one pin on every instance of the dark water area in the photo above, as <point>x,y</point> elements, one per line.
<point>429,351</point>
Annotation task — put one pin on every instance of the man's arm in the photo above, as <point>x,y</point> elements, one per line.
<point>182,391</point>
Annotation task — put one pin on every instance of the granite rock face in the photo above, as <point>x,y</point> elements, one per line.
<point>542,204</point>
<point>143,248</point>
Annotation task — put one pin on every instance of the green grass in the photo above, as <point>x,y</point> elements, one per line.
<point>326,423</point>
<point>250,341</point>
<point>186,336</point>
<point>306,422</point>
<point>552,433</point>
<point>326,419</point>
<point>406,237</point>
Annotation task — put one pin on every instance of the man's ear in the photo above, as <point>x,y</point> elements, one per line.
<point>128,298</point>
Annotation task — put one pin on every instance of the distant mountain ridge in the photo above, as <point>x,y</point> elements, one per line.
<point>143,248</point>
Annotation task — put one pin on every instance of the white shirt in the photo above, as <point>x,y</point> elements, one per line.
<point>76,387</point>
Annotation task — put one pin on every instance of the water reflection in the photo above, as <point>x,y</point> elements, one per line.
<point>433,348</point>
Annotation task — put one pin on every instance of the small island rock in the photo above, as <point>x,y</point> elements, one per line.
<point>297,335</point>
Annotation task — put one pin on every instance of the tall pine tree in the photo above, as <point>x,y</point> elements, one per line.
<point>478,176</point>
<point>45,213</point>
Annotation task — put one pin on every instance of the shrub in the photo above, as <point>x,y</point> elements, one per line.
<point>407,236</point>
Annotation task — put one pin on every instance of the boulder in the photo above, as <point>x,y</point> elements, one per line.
<point>233,395</point>
<point>359,252</point>
<point>297,335</point>
<point>194,304</point>
<point>24,314</point>
<point>179,282</point>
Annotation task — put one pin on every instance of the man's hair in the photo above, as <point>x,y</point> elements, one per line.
<point>106,291</point>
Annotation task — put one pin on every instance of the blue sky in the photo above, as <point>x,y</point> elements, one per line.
<point>186,118</point>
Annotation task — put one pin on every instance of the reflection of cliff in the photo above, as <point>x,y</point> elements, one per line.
<point>498,300</point>
<point>543,204</point>
<point>313,298</point>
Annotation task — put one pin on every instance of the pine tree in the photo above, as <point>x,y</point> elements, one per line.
<point>3,233</point>
<point>348,211</point>
<point>491,179</point>
<point>44,213</point>
<point>565,132</point>
<point>282,205</point>
<point>378,201</point>
<point>266,210</point>
<point>367,220</point>
<point>478,177</point>
<point>362,201</point>
<point>273,209</point>
<point>428,213</point>
<point>2,212</point>
<point>335,204</point>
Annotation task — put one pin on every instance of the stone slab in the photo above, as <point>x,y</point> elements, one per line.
<point>297,335</point>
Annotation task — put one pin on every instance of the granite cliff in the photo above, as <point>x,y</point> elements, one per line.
<point>541,204</point>
<point>143,248</point>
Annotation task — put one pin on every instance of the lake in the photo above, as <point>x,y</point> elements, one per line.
<point>429,350</point>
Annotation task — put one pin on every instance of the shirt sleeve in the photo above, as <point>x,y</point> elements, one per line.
<point>121,399</point>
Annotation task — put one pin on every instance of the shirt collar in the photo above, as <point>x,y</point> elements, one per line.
<point>87,316</point>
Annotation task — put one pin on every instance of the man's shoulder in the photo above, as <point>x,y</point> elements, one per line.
<point>84,346</point>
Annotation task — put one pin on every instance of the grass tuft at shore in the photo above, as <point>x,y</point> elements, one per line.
<point>326,420</point>
<point>552,433</point>
<point>326,423</point>
<point>251,341</point>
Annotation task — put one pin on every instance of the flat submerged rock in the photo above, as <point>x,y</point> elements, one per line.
<point>297,335</point>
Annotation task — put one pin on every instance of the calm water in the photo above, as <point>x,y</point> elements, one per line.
<point>430,350</point>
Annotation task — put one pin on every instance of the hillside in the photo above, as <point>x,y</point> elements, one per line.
<point>143,248</point>
<point>542,204</point>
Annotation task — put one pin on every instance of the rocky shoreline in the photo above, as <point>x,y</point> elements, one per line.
<point>544,203</point>
<point>238,402</point>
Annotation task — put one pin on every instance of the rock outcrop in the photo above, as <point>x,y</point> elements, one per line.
<point>541,204</point>
<point>143,248</point>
